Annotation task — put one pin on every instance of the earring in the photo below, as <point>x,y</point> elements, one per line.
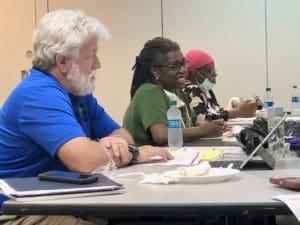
<point>155,76</point>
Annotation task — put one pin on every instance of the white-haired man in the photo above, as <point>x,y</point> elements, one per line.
<point>51,121</point>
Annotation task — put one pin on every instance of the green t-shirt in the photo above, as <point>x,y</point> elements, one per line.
<point>148,107</point>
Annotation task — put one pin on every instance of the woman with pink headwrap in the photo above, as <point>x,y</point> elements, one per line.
<point>158,77</point>
<point>201,78</point>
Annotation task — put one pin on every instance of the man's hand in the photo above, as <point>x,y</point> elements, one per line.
<point>117,149</point>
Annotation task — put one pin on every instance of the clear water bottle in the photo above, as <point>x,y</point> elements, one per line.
<point>268,99</point>
<point>276,140</point>
<point>295,100</point>
<point>274,115</point>
<point>174,126</point>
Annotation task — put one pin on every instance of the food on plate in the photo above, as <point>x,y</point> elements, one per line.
<point>199,170</point>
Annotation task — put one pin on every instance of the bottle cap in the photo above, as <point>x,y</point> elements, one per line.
<point>172,102</point>
<point>268,89</point>
<point>295,86</point>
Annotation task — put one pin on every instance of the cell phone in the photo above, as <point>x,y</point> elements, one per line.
<point>287,182</point>
<point>68,177</point>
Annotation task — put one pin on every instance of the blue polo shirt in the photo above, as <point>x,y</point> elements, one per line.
<point>38,117</point>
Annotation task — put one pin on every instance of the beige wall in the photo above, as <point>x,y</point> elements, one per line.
<point>232,31</point>
<point>17,23</point>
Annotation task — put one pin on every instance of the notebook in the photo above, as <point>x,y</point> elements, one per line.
<point>32,188</point>
<point>267,158</point>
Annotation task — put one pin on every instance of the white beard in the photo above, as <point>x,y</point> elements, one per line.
<point>82,84</point>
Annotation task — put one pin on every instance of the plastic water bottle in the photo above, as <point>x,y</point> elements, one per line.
<point>174,126</point>
<point>268,99</point>
<point>295,101</point>
<point>276,140</point>
<point>274,115</point>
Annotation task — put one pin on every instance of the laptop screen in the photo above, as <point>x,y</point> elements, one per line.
<point>266,155</point>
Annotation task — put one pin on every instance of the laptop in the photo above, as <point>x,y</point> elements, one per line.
<point>268,159</point>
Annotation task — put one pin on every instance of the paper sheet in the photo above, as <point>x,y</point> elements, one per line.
<point>183,156</point>
<point>292,201</point>
<point>193,155</point>
<point>241,121</point>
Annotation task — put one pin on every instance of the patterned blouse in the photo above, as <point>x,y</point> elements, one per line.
<point>204,102</point>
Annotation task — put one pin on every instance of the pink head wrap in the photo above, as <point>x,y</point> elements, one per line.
<point>196,59</point>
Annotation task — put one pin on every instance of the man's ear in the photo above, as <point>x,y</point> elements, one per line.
<point>62,63</point>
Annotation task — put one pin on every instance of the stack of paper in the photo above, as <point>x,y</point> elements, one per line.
<point>243,122</point>
<point>292,201</point>
<point>194,155</point>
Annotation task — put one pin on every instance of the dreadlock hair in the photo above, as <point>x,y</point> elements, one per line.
<point>153,54</point>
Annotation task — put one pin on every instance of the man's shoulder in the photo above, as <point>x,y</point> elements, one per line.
<point>40,83</point>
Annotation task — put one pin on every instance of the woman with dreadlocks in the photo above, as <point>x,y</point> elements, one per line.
<point>158,78</point>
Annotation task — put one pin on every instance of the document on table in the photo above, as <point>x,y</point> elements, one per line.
<point>292,201</point>
<point>193,155</point>
<point>244,122</point>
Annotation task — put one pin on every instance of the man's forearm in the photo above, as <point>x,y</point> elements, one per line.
<point>124,134</point>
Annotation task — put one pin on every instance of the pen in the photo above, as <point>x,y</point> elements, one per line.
<point>196,159</point>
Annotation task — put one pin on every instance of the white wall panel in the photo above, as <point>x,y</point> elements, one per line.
<point>232,32</point>
<point>284,48</point>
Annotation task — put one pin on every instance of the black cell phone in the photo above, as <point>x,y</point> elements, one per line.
<point>68,177</point>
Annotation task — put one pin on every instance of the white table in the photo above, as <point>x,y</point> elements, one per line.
<point>249,192</point>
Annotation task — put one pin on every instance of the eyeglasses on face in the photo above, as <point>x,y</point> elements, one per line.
<point>176,66</point>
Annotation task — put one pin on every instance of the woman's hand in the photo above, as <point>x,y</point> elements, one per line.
<point>247,109</point>
<point>214,128</point>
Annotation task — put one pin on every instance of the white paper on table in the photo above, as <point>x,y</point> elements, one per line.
<point>292,201</point>
<point>186,157</point>
<point>241,121</point>
<point>193,154</point>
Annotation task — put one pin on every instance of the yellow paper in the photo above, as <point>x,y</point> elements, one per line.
<point>211,154</point>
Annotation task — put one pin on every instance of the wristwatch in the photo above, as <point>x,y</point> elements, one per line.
<point>135,152</point>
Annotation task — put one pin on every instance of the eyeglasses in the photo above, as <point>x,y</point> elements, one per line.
<point>176,66</point>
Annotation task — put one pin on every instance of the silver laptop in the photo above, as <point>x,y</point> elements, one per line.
<point>268,158</point>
